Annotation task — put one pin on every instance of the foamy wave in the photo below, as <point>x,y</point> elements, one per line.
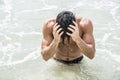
<point>105,37</point>
<point>30,56</point>
<point>24,33</point>
<point>103,4</point>
<point>7,7</point>
<point>114,12</point>
<point>36,10</point>
<point>115,57</point>
<point>46,7</point>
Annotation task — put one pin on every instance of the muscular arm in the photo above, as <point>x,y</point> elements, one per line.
<point>87,43</point>
<point>48,46</point>
<point>51,39</point>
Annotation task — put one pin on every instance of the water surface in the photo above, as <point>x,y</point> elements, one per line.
<point>20,38</point>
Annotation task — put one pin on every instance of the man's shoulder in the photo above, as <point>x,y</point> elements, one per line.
<point>48,25</point>
<point>83,20</point>
<point>86,21</point>
<point>86,24</point>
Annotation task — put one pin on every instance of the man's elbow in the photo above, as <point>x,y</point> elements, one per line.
<point>46,59</point>
<point>44,56</point>
<point>93,55</point>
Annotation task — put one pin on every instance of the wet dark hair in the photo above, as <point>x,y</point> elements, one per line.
<point>64,19</point>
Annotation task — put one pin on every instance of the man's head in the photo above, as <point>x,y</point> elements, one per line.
<point>64,19</point>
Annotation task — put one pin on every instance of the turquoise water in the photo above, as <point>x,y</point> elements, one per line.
<point>20,38</point>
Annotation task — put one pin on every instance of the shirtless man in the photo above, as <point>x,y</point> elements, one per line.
<point>67,38</point>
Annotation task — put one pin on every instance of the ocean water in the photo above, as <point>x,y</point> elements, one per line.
<point>20,39</point>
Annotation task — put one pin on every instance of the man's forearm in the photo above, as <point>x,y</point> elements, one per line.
<point>49,51</point>
<point>87,50</point>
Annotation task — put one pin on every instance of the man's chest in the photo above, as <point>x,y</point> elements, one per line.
<point>68,46</point>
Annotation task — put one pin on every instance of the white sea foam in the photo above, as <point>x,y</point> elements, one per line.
<point>115,57</point>
<point>31,56</point>
<point>7,6</point>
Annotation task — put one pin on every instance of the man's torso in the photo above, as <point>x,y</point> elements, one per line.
<point>69,50</point>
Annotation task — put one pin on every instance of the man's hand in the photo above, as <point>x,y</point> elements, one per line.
<point>57,32</point>
<point>75,31</point>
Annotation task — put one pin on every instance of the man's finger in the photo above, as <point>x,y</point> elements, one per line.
<point>57,27</point>
<point>55,24</point>
<point>59,30</point>
<point>69,34</point>
<point>71,29</point>
<point>71,26</point>
<point>75,24</point>
<point>54,27</point>
<point>61,33</point>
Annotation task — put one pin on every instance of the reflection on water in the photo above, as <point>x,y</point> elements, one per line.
<point>69,72</point>
<point>20,36</point>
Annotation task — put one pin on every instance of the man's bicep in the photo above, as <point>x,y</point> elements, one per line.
<point>47,36</point>
<point>89,39</point>
<point>88,35</point>
<point>46,41</point>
